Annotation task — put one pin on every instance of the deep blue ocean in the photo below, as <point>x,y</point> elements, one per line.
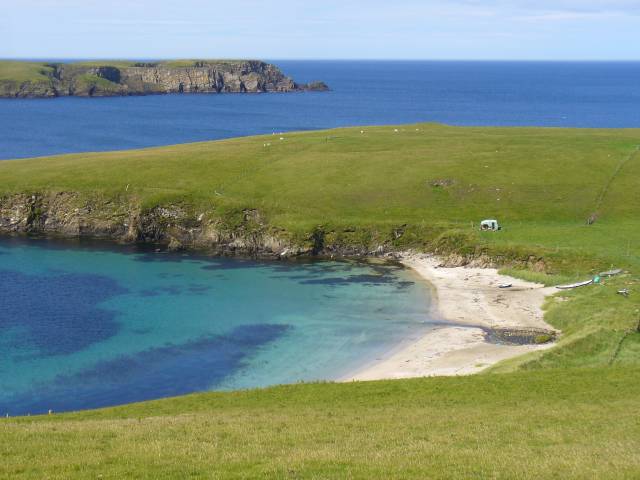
<point>572,94</point>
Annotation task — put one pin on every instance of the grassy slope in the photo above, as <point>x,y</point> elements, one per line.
<point>546,420</point>
<point>18,71</point>
<point>23,71</point>
<point>542,184</point>
<point>551,424</point>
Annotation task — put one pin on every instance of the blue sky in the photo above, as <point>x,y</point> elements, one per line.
<point>333,29</point>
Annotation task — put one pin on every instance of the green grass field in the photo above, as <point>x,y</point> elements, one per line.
<point>25,71</point>
<point>542,184</point>
<point>568,412</point>
<point>19,71</point>
<point>578,424</point>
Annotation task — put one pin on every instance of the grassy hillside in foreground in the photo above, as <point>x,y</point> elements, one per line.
<point>578,424</point>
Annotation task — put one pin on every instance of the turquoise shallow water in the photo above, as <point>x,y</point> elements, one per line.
<point>86,326</point>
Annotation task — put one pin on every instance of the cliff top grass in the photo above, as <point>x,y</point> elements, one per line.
<point>434,182</point>
<point>192,62</point>
<point>177,63</point>
<point>25,71</point>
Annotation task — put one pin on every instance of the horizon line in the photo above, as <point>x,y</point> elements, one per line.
<point>354,59</point>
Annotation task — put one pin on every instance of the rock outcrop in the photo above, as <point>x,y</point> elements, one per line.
<point>129,78</point>
<point>175,227</point>
<point>243,231</point>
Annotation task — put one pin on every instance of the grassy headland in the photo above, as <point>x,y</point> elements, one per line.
<point>19,71</point>
<point>109,77</point>
<point>424,186</point>
<point>23,71</point>
<point>568,412</point>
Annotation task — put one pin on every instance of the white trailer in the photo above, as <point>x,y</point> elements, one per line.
<point>490,225</point>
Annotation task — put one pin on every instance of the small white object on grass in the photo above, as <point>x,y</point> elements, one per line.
<point>281,138</point>
<point>395,130</point>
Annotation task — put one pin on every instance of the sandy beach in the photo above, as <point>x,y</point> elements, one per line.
<point>470,298</point>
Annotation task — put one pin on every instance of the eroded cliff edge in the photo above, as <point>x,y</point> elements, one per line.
<point>39,80</point>
<point>241,231</point>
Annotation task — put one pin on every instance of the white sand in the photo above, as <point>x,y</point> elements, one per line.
<point>466,296</point>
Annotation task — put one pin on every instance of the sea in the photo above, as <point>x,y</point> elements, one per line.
<point>86,324</point>
<point>550,94</point>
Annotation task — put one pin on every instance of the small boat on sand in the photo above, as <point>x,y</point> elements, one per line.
<point>505,285</point>
<point>575,285</point>
<point>611,273</point>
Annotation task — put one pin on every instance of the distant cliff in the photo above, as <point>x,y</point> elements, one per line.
<point>106,78</point>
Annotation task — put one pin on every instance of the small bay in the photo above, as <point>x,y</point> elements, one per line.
<point>86,325</point>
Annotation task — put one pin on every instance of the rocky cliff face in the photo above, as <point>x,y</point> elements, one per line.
<point>155,78</point>
<point>175,227</point>
<point>245,233</point>
<point>66,215</point>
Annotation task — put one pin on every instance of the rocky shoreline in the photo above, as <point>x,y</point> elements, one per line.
<point>172,227</point>
<point>96,79</point>
<point>243,232</point>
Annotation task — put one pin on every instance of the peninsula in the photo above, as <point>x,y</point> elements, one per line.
<point>22,79</point>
